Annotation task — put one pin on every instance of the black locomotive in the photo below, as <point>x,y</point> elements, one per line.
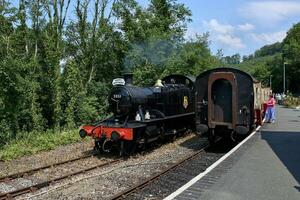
<point>144,114</point>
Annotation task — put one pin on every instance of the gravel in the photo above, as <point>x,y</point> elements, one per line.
<point>59,154</point>
<point>105,182</point>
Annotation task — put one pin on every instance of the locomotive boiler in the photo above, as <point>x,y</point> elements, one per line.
<point>144,114</point>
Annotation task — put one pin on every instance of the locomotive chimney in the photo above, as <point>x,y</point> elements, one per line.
<point>128,77</point>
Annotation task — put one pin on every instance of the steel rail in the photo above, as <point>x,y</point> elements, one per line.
<point>32,171</point>
<point>147,181</point>
<point>15,193</point>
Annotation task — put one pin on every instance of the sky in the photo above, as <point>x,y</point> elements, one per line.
<point>241,26</point>
<point>238,26</point>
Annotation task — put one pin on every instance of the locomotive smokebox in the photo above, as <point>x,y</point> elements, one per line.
<point>128,77</point>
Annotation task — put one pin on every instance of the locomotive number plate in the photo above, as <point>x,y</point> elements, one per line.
<point>117,96</point>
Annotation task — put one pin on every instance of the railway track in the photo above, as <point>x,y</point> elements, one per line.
<point>146,182</point>
<point>42,184</point>
<point>9,179</point>
<point>172,174</point>
<point>130,192</point>
<point>32,171</point>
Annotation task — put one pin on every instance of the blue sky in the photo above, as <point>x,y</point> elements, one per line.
<point>241,26</point>
<point>238,26</point>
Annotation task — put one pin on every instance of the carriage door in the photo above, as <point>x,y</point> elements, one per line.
<point>222,99</point>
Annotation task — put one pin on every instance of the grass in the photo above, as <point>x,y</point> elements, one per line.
<point>34,142</point>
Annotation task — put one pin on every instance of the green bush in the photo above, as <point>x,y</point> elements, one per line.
<point>33,142</point>
<point>292,102</point>
<point>5,133</point>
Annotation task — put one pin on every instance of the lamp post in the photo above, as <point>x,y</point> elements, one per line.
<point>271,81</point>
<point>284,63</point>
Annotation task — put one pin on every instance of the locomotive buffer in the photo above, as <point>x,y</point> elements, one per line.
<point>266,166</point>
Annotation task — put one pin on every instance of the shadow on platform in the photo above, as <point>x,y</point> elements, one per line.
<point>286,145</point>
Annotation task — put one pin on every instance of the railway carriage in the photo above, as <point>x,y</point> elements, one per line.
<point>144,114</point>
<point>228,101</point>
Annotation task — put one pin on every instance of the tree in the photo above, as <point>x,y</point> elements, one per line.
<point>56,13</point>
<point>152,34</point>
<point>7,18</point>
<point>169,17</point>
<point>9,80</point>
<point>219,54</point>
<point>232,60</point>
<point>72,90</point>
<point>269,50</point>
<point>291,55</point>
<point>191,58</point>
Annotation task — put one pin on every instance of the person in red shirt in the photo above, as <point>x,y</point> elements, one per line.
<point>270,117</point>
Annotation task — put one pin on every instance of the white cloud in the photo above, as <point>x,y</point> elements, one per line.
<point>231,41</point>
<point>246,27</point>
<point>214,26</point>
<point>270,11</point>
<point>224,34</point>
<point>191,33</point>
<point>269,38</point>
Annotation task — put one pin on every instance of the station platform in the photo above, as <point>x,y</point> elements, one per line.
<point>266,166</point>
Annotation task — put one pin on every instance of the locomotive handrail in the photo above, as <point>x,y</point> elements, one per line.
<point>170,117</point>
<point>141,113</point>
<point>158,111</point>
<point>126,120</point>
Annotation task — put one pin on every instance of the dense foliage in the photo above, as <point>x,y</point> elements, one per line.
<point>58,58</point>
<point>291,56</point>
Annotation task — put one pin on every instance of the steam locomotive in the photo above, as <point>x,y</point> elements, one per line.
<point>144,114</point>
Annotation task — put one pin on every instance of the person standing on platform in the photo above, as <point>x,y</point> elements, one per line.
<point>279,99</point>
<point>271,109</point>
